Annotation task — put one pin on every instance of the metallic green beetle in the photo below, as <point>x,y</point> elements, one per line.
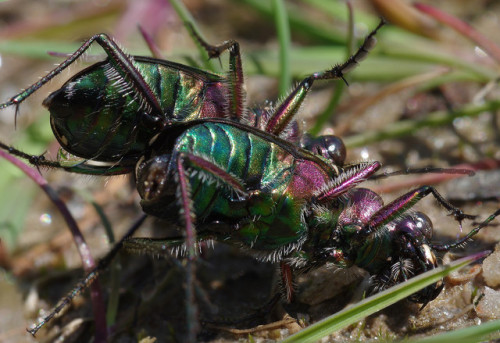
<point>110,111</point>
<point>284,204</point>
<point>241,175</point>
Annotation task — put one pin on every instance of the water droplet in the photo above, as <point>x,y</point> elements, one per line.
<point>365,154</point>
<point>46,219</point>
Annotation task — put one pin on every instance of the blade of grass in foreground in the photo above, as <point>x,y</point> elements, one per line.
<point>378,302</point>
<point>187,18</point>
<point>283,31</point>
<point>471,334</point>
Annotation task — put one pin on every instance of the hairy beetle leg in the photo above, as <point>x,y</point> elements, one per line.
<point>288,108</point>
<point>124,65</point>
<point>237,96</point>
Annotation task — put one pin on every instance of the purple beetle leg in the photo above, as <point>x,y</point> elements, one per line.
<point>237,95</point>
<point>348,179</point>
<point>286,110</point>
<point>214,171</point>
<point>406,201</point>
<point>187,215</point>
<point>186,163</point>
<point>122,62</point>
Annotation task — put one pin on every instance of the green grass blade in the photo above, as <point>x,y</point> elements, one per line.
<point>283,30</point>
<point>186,17</point>
<point>36,48</point>
<point>324,117</point>
<point>430,53</point>
<point>299,23</point>
<point>471,334</point>
<point>339,11</point>
<point>378,302</point>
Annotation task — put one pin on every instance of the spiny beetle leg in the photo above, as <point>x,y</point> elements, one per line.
<point>188,216</point>
<point>156,247</point>
<point>82,168</point>
<point>462,241</point>
<point>237,95</point>
<point>163,247</point>
<point>214,171</point>
<point>338,71</point>
<point>346,180</point>
<point>289,107</point>
<point>185,164</point>
<point>287,280</point>
<point>122,62</point>
<point>89,278</point>
<point>406,201</point>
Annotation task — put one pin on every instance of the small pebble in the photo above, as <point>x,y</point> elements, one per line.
<point>489,306</point>
<point>491,271</point>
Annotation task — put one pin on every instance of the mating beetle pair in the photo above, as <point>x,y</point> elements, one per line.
<point>239,176</point>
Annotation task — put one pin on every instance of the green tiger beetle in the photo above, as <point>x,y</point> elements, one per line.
<point>109,111</point>
<point>238,176</point>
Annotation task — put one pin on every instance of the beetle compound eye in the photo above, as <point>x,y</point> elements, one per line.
<point>329,146</point>
<point>424,224</point>
<point>333,148</point>
<point>417,226</point>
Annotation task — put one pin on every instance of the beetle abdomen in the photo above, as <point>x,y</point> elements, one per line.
<point>99,114</point>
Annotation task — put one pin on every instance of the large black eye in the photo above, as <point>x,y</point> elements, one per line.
<point>416,226</point>
<point>329,146</point>
<point>424,224</point>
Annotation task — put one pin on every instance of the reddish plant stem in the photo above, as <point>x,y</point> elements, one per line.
<point>463,28</point>
<point>83,249</point>
<point>434,178</point>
